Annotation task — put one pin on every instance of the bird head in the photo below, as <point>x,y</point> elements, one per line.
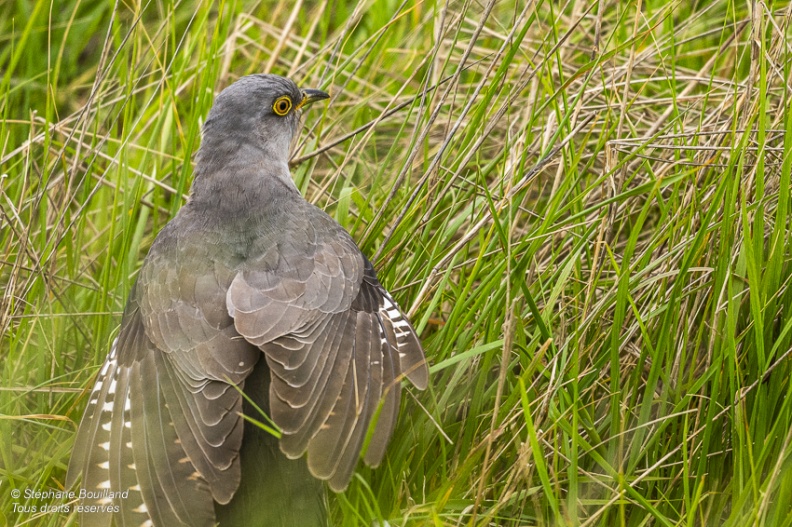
<point>260,111</point>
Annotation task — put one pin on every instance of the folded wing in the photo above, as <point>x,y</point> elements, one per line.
<point>337,346</point>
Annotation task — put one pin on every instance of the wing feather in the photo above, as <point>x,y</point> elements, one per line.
<point>337,345</point>
<point>163,420</point>
<point>180,495</point>
<point>314,401</point>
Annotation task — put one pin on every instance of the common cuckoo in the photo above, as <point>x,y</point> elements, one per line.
<point>249,288</point>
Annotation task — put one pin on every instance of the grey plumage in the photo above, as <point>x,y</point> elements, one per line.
<point>248,288</point>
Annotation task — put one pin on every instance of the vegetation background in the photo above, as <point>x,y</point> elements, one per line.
<point>584,205</point>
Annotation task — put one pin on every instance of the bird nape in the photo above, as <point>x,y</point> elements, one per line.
<point>248,289</point>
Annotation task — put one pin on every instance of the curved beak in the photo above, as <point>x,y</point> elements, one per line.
<point>310,96</point>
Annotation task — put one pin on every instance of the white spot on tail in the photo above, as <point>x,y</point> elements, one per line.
<point>401,324</point>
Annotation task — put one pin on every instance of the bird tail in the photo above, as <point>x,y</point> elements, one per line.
<point>275,491</point>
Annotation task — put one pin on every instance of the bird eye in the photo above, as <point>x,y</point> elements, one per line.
<point>282,105</point>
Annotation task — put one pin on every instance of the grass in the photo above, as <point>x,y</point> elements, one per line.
<point>584,206</point>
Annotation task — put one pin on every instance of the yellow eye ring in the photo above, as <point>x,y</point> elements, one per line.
<point>282,105</point>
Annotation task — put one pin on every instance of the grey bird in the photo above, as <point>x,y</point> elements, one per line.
<point>249,288</point>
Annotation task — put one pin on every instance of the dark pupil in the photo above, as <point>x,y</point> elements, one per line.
<point>283,106</point>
